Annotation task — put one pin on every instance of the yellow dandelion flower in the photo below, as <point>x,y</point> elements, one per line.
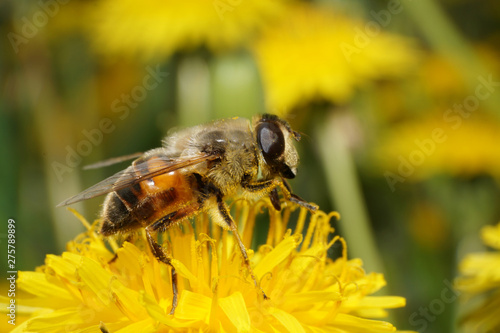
<point>317,54</point>
<point>459,146</point>
<point>83,289</point>
<point>480,276</point>
<point>441,78</point>
<point>158,28</point>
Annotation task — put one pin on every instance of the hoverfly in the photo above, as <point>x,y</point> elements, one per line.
<point>193,172</point>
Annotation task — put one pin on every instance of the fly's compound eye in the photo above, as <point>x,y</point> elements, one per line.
<point>271,140</point>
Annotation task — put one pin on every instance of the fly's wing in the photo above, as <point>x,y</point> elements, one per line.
<point>139,172</point>
<point>112,161</point>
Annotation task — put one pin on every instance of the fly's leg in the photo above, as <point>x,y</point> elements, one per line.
<point>275,199</point>
<point>103,328</point>
<point>160,226</point>
<point>160,256</point>
<point>298,200</point>
<point>224,212</point>
<point>268,187</point>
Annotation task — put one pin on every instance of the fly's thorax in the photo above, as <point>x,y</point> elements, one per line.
<point>193,139</point>
<point>238,159</point>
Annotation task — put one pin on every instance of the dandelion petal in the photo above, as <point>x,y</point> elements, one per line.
<point>235,309</point>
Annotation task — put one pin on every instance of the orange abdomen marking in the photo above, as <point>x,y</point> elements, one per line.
<point>163,194</point>
<point>148,201</point>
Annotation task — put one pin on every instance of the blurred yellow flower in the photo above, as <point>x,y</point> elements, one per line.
<point>419,149</point>
<point>308,291</point>
<point>315,54</point>
<point>441,78</point>
<point>158,28</point>
<point>480,276</point>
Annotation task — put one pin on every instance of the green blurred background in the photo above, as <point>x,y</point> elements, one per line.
<point>398,102</point>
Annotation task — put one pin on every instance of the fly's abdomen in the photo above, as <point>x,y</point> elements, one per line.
<point>147,201</point>
<point>116,216</point>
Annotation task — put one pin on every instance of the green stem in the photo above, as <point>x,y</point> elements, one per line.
<point>447,40</point>
<point>193,91</point>
<point>345,192</point>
